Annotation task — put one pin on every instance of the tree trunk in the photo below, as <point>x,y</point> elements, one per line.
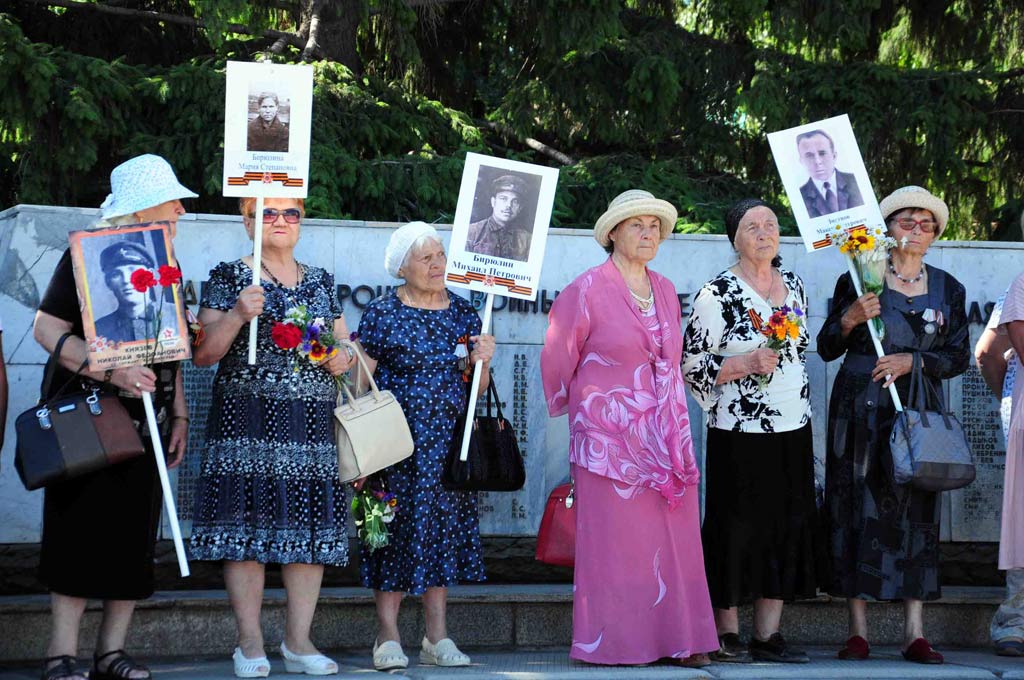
<point>332,26</point>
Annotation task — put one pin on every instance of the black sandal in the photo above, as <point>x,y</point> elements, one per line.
<point>119,668</point>
<point>67,668</point>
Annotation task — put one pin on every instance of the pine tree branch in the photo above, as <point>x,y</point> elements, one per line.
<point>289,38</point>
<point>534,144</point>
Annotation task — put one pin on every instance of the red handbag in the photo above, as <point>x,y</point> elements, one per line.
<point>556,540</point>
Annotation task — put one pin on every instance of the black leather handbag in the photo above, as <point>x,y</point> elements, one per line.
<point>494,462</point>
<point>69,435</point>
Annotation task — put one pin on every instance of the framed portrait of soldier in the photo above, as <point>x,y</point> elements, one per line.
<point>130,295</point>
<point>500,228</point>
<point>825,179</point>
<point>267,120</point>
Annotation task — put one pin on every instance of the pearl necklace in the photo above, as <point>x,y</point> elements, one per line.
<point>895,273</point>
<point>644,303</point>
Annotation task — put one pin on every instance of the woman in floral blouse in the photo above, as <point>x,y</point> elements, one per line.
<point>760,513</point>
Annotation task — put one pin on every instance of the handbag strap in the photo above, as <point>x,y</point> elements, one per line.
<point>51,370</point>
<point>365,368</point>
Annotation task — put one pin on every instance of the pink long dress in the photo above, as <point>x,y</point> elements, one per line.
<point>640,593</point>
<point>1011,538</point>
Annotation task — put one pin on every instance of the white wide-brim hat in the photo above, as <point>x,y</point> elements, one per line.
<point>916,197</point>
<point>142,182</point>
<point>633,203</point>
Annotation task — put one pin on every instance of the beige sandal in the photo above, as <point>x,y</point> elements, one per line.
<point>444,653</point>
<point>388,656</point>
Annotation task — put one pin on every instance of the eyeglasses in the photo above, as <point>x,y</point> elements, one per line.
<point>908,224</point>
<point>291,215</point>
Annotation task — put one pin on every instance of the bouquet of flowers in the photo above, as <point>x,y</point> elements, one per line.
<point>373,508</point>
<point>143,280</point>
<point>783,325</point>
<point>311,338</point>
<point>869,250</point>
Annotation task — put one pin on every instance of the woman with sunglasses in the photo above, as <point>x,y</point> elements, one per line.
<point>884,537</point>
<point>268,488</point>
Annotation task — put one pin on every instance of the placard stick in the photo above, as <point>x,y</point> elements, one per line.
<point>474,390</point>
<point>165,482</point>
<point>874,334</point>
<point>257,259</point>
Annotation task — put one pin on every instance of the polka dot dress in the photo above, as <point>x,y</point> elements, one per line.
<point>268,488</point>
<point>435,536</point>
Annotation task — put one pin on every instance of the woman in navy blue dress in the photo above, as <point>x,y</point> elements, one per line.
<point>412,336</point>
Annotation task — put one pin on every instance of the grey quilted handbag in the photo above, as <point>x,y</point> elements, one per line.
<point>928,447</point>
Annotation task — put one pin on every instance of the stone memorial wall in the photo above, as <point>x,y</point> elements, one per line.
<point>32,239</point>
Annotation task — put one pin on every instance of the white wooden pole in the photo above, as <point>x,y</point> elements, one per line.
<point>874,334</point>
<point>165,483</point>
<point>474,390</point>
<point>257,258</point>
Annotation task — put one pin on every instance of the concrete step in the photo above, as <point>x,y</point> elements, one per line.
<point>200,623</point>
<point>556,665</point>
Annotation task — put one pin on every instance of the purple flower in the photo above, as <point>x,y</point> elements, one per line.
<point>353,336</point>
<point>307,346</point>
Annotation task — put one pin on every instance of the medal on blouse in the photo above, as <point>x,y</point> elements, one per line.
<point>933,319</point>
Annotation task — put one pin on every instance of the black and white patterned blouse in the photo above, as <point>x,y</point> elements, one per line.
<point>719,327</point>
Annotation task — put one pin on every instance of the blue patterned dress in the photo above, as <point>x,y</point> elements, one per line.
<point>435,536</point>
<point>268,488</point>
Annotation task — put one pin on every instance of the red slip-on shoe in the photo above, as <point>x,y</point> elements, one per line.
<point>920,651</point>
<point>857,649</point>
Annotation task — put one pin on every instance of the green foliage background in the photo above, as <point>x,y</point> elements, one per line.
<point>674,97</point>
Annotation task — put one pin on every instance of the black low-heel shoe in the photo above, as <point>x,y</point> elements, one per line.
<point>776,650</point>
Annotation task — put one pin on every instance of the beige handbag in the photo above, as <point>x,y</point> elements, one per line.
<point>371,430</point>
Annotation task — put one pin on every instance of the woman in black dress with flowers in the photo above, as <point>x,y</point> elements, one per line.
<point>268,487</point>
<point>885,538</point>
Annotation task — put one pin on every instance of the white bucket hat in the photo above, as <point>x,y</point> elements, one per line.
<point>631,204</point>
<point>401,241</point>
<point>142,182</point>
<point>916,197</point>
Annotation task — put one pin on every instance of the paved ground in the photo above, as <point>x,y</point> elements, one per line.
<point>555,665</point>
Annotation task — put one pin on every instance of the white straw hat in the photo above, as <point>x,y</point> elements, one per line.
<point>916,197</point>
<point>142,182</point>
<point>631,204</point>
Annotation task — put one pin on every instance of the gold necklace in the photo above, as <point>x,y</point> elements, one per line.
<point>409,302</point>
<point>750,280</point>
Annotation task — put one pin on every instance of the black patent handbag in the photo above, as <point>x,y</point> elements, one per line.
<point>494,462</point>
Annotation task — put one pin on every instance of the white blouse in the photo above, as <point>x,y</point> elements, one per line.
<point>719,327</point>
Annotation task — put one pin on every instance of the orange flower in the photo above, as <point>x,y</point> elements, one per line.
<point>318,352</point>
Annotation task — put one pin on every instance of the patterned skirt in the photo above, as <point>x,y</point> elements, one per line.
<point>268,489</point>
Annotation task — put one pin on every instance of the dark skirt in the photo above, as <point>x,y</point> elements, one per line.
<point>761,534</point>
<point>99,532</point>
<point>884,538</point>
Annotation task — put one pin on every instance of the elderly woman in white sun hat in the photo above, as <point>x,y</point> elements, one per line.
<point>885,537</point>
<point>611,360</point>
<point>99,529</point>
<point>416,338</point>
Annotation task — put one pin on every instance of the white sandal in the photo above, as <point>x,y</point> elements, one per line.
<point>389,656</point>
<point>250,668</point>
<point>310,664</point>
<point>444,653</point>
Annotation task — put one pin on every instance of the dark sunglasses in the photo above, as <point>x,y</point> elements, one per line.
<point>291,215</point>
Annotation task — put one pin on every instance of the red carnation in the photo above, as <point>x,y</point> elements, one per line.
<point>169,275</point>
<point>285,335</point>
<point>143,280</point>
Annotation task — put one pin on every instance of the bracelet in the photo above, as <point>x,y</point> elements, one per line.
<point>185,418</point>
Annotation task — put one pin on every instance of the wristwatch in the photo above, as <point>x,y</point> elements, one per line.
<point>107,375</point>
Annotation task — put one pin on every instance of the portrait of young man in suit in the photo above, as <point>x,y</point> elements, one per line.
<point>828,190</point>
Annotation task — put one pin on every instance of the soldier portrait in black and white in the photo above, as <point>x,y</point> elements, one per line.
<point>505,229</point>
<point>135,312</point>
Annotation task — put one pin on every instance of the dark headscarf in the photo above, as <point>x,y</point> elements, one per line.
<point>736,213</point>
